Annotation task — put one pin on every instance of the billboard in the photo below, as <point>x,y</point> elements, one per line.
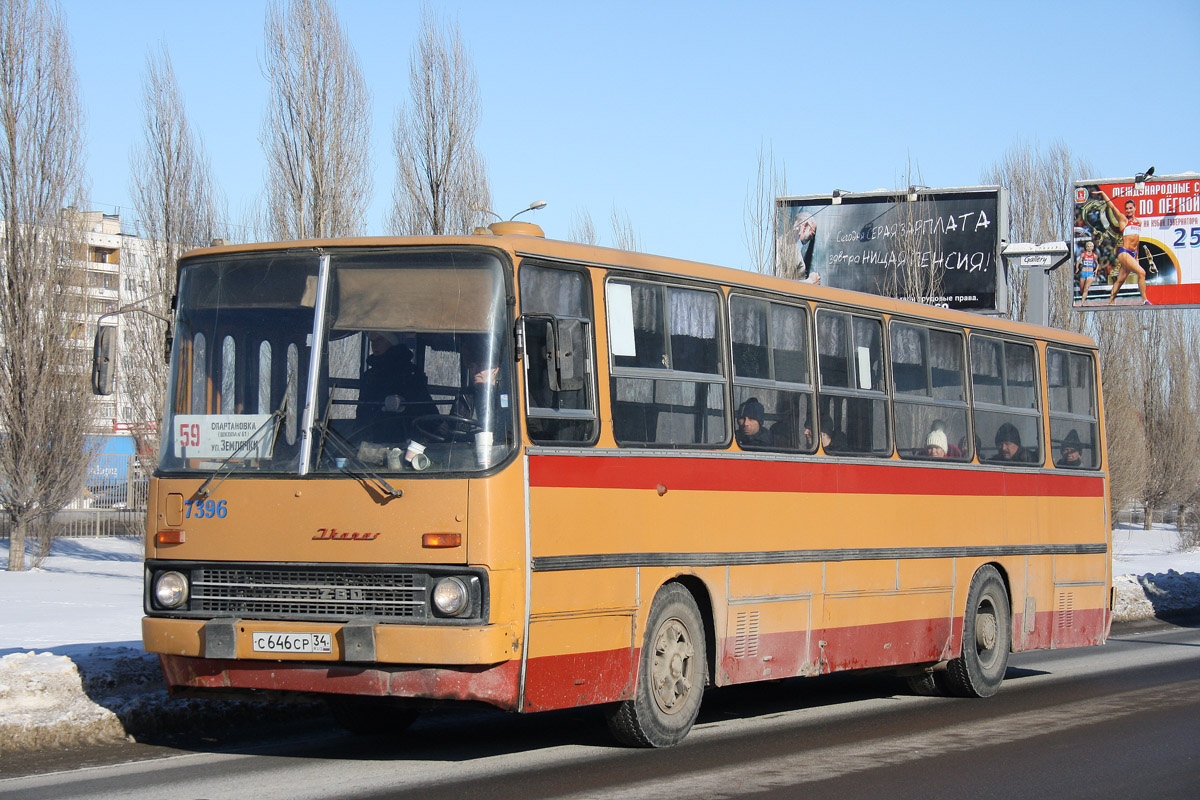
<point>1137,243</point>
<point>867,242</point>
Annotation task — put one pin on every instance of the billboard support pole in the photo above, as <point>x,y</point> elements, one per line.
<point>1038,260</point>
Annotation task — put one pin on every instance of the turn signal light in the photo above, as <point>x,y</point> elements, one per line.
<point>171,537</point>
<point>441,540</point>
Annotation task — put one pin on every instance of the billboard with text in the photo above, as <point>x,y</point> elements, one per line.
<point>865,241</point>
<point>1137,243</point>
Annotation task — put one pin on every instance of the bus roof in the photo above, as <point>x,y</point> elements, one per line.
<point>530,242</point>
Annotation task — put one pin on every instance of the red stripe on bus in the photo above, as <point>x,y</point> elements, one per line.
<point>746,475</point>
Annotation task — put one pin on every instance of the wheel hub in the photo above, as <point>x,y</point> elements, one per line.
<point>672,668</point>
<point>985,631</point>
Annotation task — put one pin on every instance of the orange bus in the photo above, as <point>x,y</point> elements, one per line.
<point>536,475</point>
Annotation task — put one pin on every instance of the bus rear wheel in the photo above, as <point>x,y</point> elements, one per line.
<point>671,675</point>
<point>370,716</point>
<point>986,640</point>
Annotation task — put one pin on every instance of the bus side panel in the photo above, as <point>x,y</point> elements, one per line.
<point>768,627</point>
<point>580,629</point>
<point>861,629</point>
<point>1080,600</point>
<point>586,670</point>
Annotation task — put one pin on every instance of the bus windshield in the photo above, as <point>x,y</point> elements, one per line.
<point>411,372</point>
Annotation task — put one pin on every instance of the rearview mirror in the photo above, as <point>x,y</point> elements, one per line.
<point>568,355</point>
<point>104,352</point>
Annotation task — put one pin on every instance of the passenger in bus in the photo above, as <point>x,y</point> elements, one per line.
<point>831,439</point>
<point>1071,457</point>
<point>783,432</point>
<point>751,431</point>
<point>392,390</point>
<point>938,439</point>
<point>935,444</point>
<point>1008,445</point>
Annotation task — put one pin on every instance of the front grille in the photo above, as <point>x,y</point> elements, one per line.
<point>323,594</point>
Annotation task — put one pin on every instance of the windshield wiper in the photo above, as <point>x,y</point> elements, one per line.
<point>328,434</point>
<point>277,417</point>
<point>339,443</point>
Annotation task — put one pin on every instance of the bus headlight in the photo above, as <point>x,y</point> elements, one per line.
<point>171,589</point>
<point>451,596</point>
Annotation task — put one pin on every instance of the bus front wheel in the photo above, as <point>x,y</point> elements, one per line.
<point>671,675</point>
<point>986,640</point>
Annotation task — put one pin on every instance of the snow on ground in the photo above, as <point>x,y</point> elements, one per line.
<point>1152,577</point>
<point>72,670</point>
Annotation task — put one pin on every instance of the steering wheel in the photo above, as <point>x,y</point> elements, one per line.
<point>447,427</point>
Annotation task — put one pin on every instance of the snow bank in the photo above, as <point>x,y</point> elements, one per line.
<point>1155,595</point>
<point>43,705</point>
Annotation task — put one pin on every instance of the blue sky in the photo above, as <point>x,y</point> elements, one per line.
<point>658,108</point>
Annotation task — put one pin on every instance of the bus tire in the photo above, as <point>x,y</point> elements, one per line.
<point>370,716</point>
<point>930,683</point>
<point>671,675</point>
<point>986,639</point>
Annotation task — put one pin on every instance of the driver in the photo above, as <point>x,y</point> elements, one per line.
<point>392,388</point>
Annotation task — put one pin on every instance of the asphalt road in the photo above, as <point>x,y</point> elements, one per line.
<point>1118,721</point>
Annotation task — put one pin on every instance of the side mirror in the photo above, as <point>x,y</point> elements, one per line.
<point>104,352</point>
<point>568,355</point>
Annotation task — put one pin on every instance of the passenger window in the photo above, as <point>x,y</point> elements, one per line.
<point>264,377</point>
<point>1004,385</point>
<point>668,385</point>
<point>199,375</point>
<point>229,403</point>
<point>854,415</point>
<point>930,393</point>
<point>771,375</point>
<point>559,381</point>
<point>1074,424</point>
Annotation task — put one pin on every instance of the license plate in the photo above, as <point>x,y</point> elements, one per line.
<point>292,642</point>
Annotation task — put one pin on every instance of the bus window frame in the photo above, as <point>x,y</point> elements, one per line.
<point>1037,412</point>
<point>965,404</point>
<point>592,375</point>
<point>856,312</point>
<point>664,282</point>
<point>1091,421</point>
<point>773,384</point>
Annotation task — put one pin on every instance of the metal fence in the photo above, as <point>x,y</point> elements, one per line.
<point>113,502</point>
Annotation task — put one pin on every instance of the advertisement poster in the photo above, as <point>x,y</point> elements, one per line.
<point>1137,244</point>
<point>867,242</point>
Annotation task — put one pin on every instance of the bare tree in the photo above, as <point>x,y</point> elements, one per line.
<point>1040,209</point>
<point>441,181</point>
<point>917,275</point>
<point>1120,342</point>
<point>624,235</point>
<point>316,134</point>
<point>582,229</point>
<point>44,402</point>
<point>759,214</point>
<point>174,197</point>
<point>1167,370</point>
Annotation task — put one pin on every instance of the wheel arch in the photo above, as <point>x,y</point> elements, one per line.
<point>1012,603</point>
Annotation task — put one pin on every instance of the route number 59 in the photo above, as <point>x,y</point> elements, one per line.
<point>189,434</point>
